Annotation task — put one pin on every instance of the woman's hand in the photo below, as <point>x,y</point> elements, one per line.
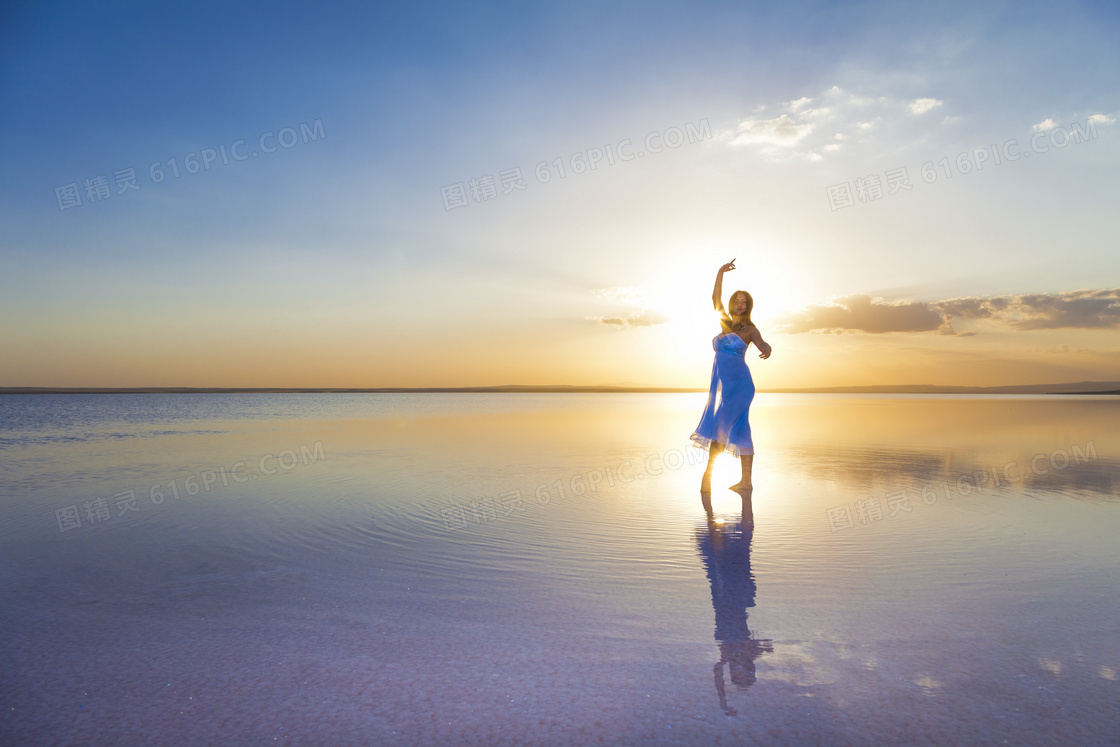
<point>729,266</point>
<point>764,349</point>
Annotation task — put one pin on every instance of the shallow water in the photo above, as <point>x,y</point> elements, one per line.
<point>491,568</point>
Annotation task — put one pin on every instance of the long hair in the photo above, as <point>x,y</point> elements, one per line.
<point>732,322</point>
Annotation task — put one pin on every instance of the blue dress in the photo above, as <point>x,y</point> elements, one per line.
<point>729,399</point>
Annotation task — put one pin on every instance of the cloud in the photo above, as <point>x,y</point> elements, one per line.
<point>643,318</point>
<point>619,293</point>
<point>1101,353</point>
<point>800,103</point>
<point>1094,119</point>
<point>864,314</point>
<point>921,106</point>
<point>631,295</point>
<point>1080,309</point>
<point>1083,309</point>
<point>778,131</point>
<point>804,127</point>
<point>823,112</point>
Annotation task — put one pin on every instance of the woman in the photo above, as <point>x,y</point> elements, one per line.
<point>724,425</point>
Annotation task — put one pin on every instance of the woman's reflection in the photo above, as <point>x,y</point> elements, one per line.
<point>726,550</point>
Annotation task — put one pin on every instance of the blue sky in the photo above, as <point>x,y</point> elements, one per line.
<point>334,262</point>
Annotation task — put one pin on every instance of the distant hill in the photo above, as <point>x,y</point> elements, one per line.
<point>504,389</point>
<point>1081,387</point>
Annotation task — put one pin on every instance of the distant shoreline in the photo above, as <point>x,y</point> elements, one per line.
<point>1084,387</point>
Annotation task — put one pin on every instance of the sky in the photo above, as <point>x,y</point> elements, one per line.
<point>451,194</point>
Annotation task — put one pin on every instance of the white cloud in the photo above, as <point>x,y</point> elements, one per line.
<point>621,294</point>
<point>808,127</point>
<point>819,113</point>
<point>1102,119</point>
<point>921,106</point>
<point>778,131</point>
<point>1046,124</point>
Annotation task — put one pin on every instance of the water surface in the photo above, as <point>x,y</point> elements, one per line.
<point>488,568</point>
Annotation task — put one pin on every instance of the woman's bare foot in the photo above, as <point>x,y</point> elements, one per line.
<point>745,483</point>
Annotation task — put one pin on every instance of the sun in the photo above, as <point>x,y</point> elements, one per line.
<point>683,290</point>
<point>680,290</point>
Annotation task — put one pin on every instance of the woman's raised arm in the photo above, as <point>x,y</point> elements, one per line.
<point>717,292</point>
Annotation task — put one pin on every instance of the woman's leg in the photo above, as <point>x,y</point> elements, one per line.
<point>713,451</point>
<point>748,463</point>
